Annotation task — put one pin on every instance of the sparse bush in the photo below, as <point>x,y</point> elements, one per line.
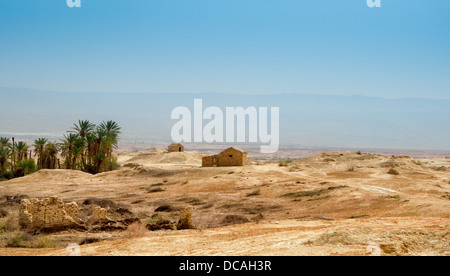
<point>160,221</point>
<point>165,208</point>
<point>313,193</point>
<point>284,163</point>
<point>156,190</point>
<point>3,213</point>
<point>44,242</point>
<point>157,184</point>
<point>6,175</point>
<point>393,172</point>
<point>207,206</point>
<point>441,169</point>
<point>256,192</point>
<point>112,164</point>
<point>8,224</point>
<point>16,241</point>
<point>234,219</point>
<point>90,240</point>
<point>305,193</point>
<point>25,167</point>
<point>137,229</point>
<point>192,200</point>
<point>397,197</point>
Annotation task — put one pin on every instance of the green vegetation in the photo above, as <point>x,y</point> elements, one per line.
<point>305,193</point>
<point>313,193</point>
<point>397,197</point>
<point>16,241</point>
<point>85,147</point>
<point>15,161</point>
<point>284,163</point>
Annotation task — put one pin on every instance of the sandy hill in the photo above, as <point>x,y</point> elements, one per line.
<point>330,203</point>
<point>158,156</point>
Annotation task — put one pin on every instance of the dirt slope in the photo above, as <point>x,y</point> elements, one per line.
<point>331,203</point>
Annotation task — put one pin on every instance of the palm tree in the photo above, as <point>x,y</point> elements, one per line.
<point>5,154</point>
<point>50,155</point>
<point>22,150</point>
<point>67,146</point>
<point>111,132</point>
<point>72,147</point>
<point>83,129</point>
<point>90,147</point>
<point>39,146</point>
<point>4,142</point>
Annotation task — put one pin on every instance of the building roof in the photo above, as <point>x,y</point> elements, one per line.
<point>236,149</point>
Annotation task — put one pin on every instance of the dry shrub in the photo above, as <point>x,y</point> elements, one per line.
<point>44,242</point>
<point>234,219</point>
<point>393,172</point>
<point>3,213</point>
<point>135,230</point>
<point>256,192</point>
<point>9,224</point>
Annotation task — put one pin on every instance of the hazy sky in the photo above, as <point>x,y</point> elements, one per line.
<point>339,47</point>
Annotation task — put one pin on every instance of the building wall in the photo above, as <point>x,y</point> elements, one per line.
<point>210,161</point>
<point>228,157</point>
<point>232,157</point>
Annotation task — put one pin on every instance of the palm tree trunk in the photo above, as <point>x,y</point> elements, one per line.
<point>13,155</point>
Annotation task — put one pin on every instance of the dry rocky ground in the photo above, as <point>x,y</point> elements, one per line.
<point>335,203</point>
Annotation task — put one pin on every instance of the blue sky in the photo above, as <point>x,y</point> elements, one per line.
<point>337,47</point>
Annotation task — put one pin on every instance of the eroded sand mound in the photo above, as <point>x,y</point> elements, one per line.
<point>349,159</point>
<point>157,156</point>
<point>53,175</point>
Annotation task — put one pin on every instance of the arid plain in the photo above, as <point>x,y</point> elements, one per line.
<point>332,203</point>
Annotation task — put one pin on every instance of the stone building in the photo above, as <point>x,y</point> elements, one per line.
<point>229,157</point>
<point>176,148</point>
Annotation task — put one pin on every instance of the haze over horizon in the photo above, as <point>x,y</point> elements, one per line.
<point>305,120</point>
<point>343,74</point>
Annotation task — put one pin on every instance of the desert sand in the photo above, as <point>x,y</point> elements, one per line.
<point>334,203</point>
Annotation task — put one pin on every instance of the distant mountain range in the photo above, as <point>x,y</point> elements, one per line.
<point>305,120</point>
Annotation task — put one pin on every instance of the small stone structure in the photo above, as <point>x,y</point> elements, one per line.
<point>49,214</point>
<point>229,157</point>
<point>185,221</point>
<point>176,148</point>
<point>100,215</point>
